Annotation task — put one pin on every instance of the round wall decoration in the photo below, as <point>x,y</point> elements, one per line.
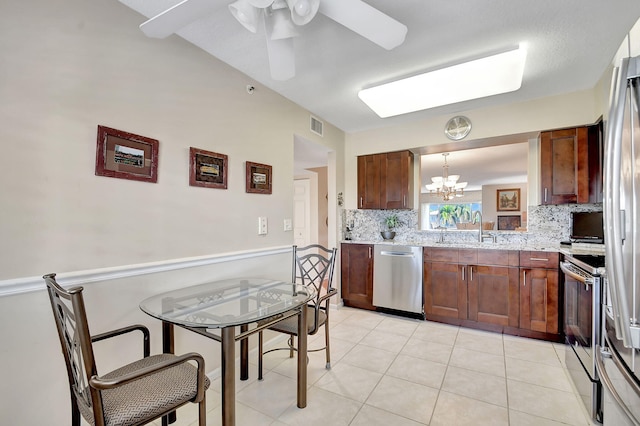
<point>457,128</point>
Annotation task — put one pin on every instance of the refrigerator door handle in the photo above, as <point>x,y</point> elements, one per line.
<point>612,182</point>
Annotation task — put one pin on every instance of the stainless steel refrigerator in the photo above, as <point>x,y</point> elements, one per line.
<point>618,358</point>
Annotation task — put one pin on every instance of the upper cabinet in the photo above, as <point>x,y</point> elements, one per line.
<point>385,181</point>
<point>571,170</point>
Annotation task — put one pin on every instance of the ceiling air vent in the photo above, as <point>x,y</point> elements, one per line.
<point>316,126</point>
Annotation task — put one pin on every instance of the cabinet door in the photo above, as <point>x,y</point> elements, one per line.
<point>564,172</point>
<point>539,300</point>
<point>369,189</point>
<point>445,293</point>
<point>357,275</point>
<point>493,294</point>
<point>394,180</point>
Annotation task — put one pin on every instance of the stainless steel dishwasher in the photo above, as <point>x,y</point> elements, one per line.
<point>397,277</point>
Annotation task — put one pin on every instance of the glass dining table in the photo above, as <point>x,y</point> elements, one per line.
<point>216,309</point>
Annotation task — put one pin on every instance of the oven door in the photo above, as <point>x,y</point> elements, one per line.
<point>580,335</point>
<point>578,306</point>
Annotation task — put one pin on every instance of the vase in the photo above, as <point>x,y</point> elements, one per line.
<point>388,235</point>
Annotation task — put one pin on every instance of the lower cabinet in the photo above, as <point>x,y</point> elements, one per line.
<point>500,290</point>
<point>444,293</point>
<point>356,261</point>
<point>540,292</point>
<point>493,295</point>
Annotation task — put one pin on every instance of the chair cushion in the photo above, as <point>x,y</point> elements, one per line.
<point>290,325</point>
<point>147,397</point>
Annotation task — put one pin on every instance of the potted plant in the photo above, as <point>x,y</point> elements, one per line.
<point>390,222</point>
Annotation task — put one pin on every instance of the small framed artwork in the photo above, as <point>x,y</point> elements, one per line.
<point>508,223</point>
<point>508,199</point>
<point>124,155</point>
<point>258,178</point>
<point>207,169</point>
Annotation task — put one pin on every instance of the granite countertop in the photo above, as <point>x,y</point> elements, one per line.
<point>553,247</point>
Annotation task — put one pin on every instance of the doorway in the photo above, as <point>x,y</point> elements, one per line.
<point>311,193</point>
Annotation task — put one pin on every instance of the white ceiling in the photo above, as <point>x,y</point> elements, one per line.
<point>570,43</point>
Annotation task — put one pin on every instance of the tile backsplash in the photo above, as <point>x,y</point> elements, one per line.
<point>547,225</point>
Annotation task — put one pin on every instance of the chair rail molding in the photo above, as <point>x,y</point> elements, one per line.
<point>29,284</point>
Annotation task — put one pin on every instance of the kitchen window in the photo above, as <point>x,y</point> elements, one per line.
<point>446,215</point>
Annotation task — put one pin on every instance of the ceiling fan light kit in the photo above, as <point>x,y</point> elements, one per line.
<point>279,15</point>
<point>303,11</point>
<point>246,14</point>
<point>491,75</point>
<point>279,26</point>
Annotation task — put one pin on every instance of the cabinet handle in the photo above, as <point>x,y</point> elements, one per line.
<point>361,201</point>
<point>463,269</point>
<point>470,273</point>
<point>369,252</point>
<point>539,259</point>
<point>545,195</point>
<point>524,278</point>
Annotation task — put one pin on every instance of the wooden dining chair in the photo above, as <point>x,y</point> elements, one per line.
<point>312,267</point>
<point>134,394</point>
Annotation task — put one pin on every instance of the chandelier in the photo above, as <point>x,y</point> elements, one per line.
<point>446,186</point>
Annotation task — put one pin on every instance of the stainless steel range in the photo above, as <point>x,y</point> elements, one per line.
<point>583,325</point>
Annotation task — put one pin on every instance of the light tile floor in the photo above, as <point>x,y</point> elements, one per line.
<point>389,370</point>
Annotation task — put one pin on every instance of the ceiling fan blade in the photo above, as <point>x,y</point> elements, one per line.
<point>365,20</point>
<point>281,58</point>
<point>176,17</point>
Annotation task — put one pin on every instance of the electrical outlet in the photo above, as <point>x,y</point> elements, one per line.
<point>262,225</point>
<point>288,225</point>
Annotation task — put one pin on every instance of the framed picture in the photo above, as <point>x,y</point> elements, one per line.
<point>123,155</point>
<point>508,199</point>
<point>207,169</point>
<point>258,178</point>
<point>508,223</point>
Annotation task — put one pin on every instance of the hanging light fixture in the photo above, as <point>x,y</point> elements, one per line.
<point>446,186</point>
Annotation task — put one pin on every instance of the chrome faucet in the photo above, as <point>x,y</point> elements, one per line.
<point>481,235</point>
<point>474,220</point>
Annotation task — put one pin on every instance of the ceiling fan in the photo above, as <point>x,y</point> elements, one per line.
<point>281,20</point>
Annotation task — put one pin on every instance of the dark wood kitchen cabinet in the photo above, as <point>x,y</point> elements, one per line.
<point>445,294</point>
<point>540,293</point>
<point>356,262</point>
<point>493,288</point>
<point>385,181</point>
<point>471,287</point>
<point>570,165</point>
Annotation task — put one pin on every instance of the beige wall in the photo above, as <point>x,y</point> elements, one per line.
<point>68,67</point>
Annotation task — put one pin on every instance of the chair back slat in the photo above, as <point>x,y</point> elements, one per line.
<point>73,331</point>
<point>313,266</point>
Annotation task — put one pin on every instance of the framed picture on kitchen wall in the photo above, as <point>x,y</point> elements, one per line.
<point>508,223</point>
<point>258,178</point>
<point>508,200</point>
<point>207,169</point>
<point>125,155</point>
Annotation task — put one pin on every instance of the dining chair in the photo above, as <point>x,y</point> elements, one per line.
<point>313,266</point>
<point>134,394</point>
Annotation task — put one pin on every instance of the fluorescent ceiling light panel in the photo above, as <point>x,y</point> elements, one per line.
<point>488,76</point>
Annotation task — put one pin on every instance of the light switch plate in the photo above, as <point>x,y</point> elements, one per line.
<point>262,225</point>
<point>288,225</point>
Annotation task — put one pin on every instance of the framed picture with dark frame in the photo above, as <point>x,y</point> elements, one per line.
<point>508,199</point>
<point>258,178</point>
<point>207,169</point>
<point>125,155</point>
<point>508,223</point>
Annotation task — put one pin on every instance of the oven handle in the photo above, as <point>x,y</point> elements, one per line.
<point>573,275</point>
